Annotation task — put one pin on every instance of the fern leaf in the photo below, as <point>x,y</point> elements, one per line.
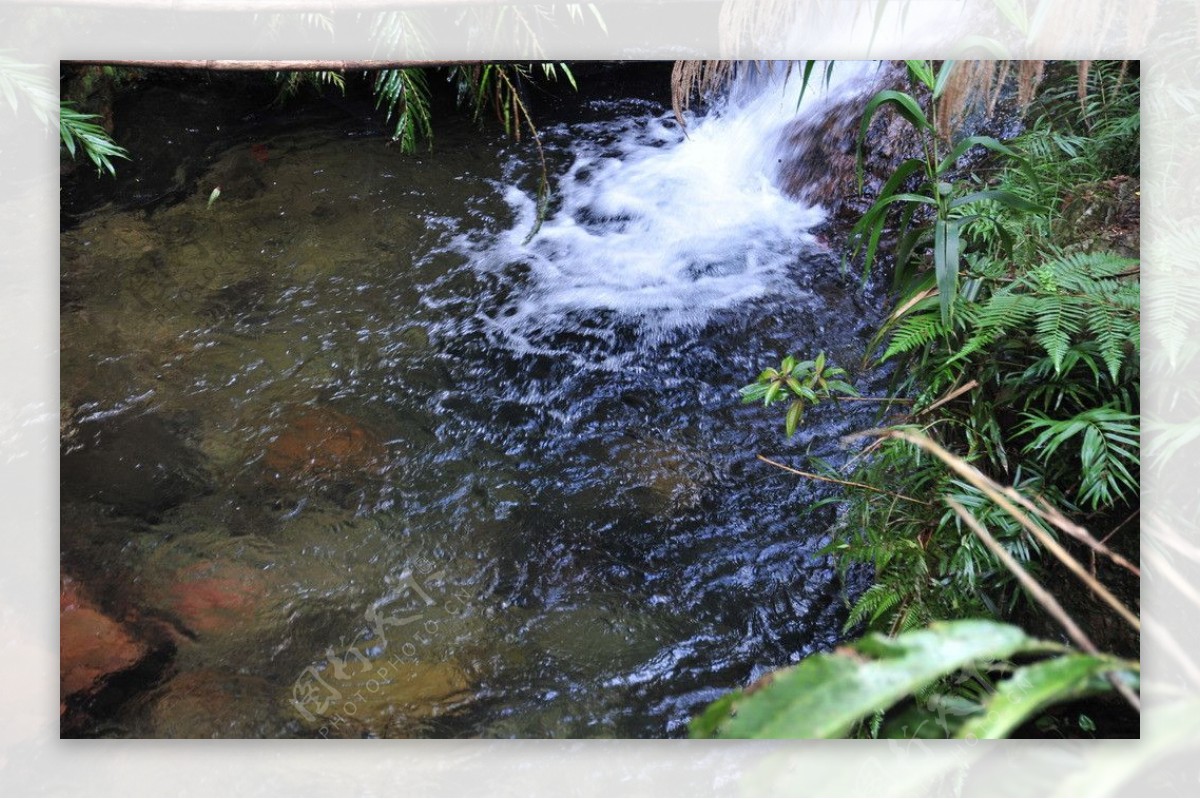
<point>1059,318</point>
<point>914,332</point>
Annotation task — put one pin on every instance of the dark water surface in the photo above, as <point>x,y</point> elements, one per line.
<point>379,467</point>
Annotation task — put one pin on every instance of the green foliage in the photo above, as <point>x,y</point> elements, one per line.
<point>291,83</point>
<point>935,212</point>
<point>1107,442</point>
<point>498,87</point>
<point>80,133</point>
<point>1018,345</point>
<point>404,93</point>
<point>805,382</point>
<point>1038,686</point>
<point>827,695</point>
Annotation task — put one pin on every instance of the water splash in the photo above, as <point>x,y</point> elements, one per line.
<point>655,225</point>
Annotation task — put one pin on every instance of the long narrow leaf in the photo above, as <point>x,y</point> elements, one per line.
<point>945,264</point>
<point>1032,688</point>
<point>904,103</point>
<point>943,78</point>
<point>1005,198</point>
<point>826,694</point>
<point>971,141</point>
<point>922,71</point>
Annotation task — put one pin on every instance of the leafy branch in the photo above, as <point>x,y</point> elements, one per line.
<point>807,383</point>
<point>80,133</point>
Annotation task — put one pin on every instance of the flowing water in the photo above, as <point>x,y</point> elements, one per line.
<point>381,464</point>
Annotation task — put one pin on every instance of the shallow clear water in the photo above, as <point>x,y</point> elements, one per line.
<point>426,478</point>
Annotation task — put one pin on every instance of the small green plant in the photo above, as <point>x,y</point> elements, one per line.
<point>806,383</point>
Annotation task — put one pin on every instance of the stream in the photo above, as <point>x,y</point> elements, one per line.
<point>370,461</point>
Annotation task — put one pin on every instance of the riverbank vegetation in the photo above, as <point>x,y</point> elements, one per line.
<point>996,498</point>
<point>1015,332</point>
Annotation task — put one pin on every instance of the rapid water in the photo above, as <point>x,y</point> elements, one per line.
<point>488,486</point>
<point>657,225</point>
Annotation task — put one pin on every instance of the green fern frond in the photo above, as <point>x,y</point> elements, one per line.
<point>1107,442</point>
<point>405,94</point>
<point>913,332</point>
<point>875,602</point>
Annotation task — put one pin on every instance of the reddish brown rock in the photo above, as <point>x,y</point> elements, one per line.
<point>324,444</point>
<point>92,646</point>
<point>216,596</point>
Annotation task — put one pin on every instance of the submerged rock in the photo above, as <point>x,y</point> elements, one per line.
<point>101,659</point>
<point>92,646</point>
<point>321,444</point>
<point>136,465</point>
<point>215,596</point>
<point>239,175</point>
<point>207,703</point>
<point>660,477</point>
<point>387,697</point>
<point>598,641</point>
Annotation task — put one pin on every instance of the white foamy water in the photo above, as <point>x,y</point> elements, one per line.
<point>656,226</point>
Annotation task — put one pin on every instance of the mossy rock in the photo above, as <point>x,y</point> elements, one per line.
<point>387,696</point>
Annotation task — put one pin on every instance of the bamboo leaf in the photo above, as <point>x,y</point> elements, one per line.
<point>1005,198</point>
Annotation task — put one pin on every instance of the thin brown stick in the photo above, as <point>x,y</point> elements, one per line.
<point>1055,517</point>
<point>1042,596</point>
<point>1125,521</point>
<point>822,478</point>
<point>952,395</point>
<point>873,432</point>
<point>995,493</point>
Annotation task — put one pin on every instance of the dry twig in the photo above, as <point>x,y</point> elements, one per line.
<point>1042,597</point>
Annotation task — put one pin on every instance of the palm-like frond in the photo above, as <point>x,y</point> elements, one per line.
<point>80,133</point>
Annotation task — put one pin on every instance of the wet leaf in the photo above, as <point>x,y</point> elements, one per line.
<point>1035,687</point>
<point>794,414</point>
<point>826,694</point>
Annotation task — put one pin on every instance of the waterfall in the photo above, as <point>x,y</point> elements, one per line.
<point>660,225</point>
